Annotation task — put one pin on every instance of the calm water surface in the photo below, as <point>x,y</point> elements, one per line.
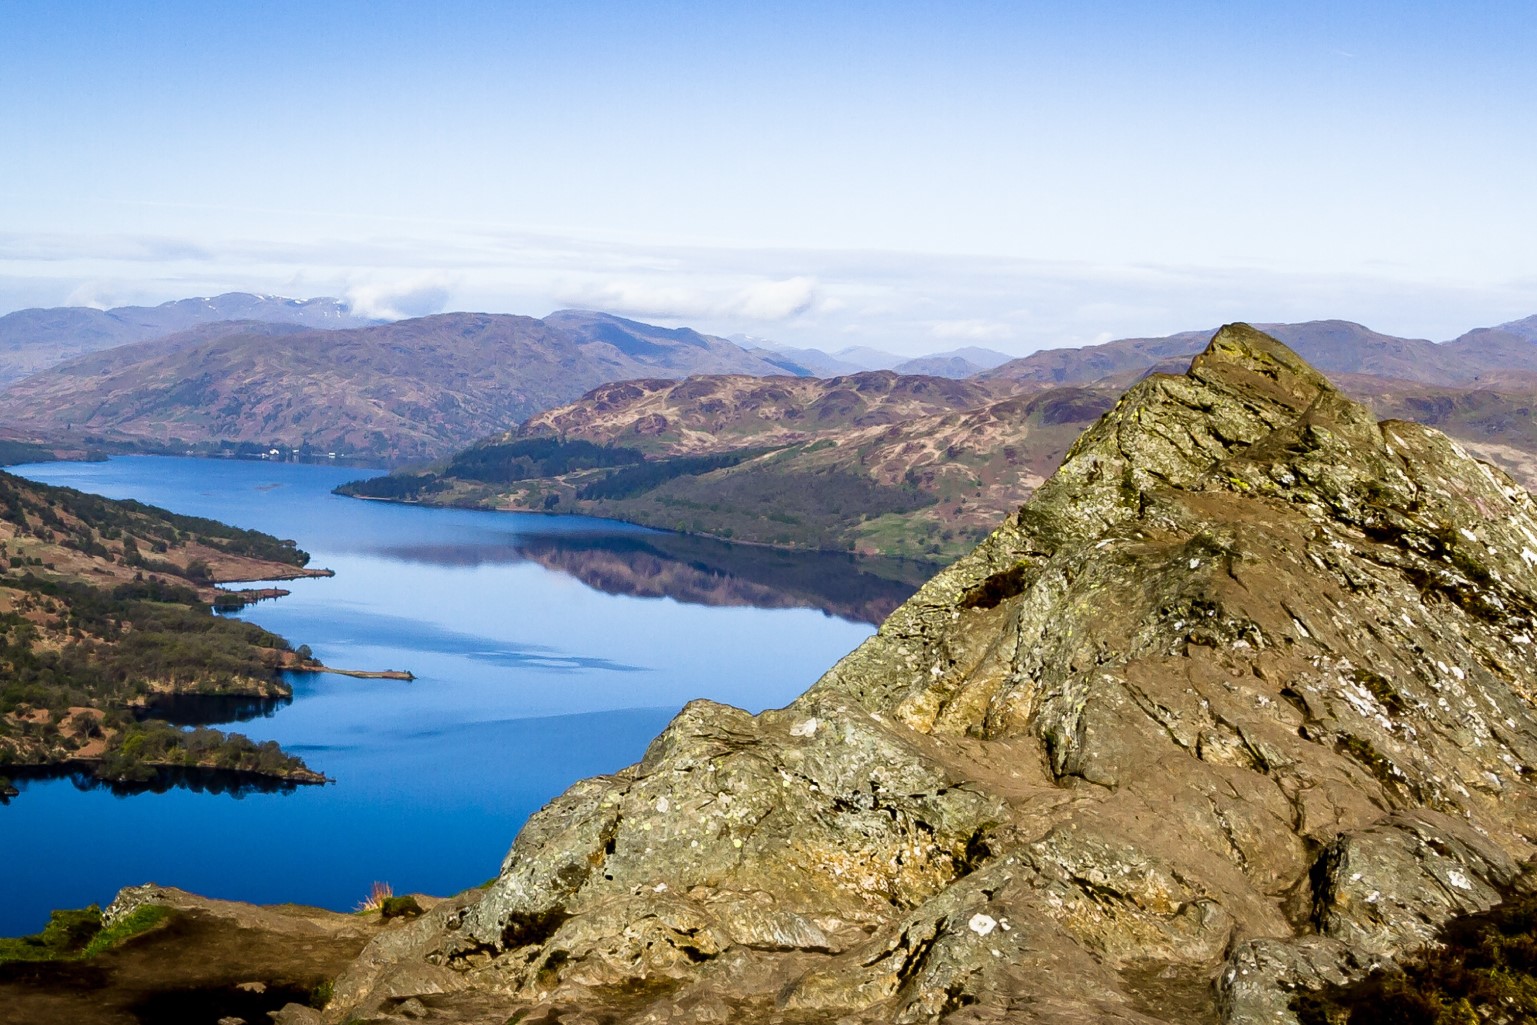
<point>542,653</point>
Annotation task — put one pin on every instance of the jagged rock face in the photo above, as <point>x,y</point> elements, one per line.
<point>1242,700</point>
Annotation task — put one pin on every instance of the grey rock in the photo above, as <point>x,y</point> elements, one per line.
<point>1263,976</point>
<point>1240,702</point>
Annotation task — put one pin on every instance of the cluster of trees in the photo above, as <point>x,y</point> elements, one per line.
<point>394,486</point>
<point>106,647</point>
<point>498,463</point>
<point>635,480</point>
<point>12,452</point>
<point>139,751</point>
<point>535,458</point>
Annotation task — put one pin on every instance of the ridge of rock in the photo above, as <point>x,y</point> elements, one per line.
<point>1240,702</point>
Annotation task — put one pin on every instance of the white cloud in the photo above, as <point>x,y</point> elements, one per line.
<point>908,303</point>
<point>972,330</point>
<point>767,301</point>
<point>777,300</point>
<point>415,296</point>
<point>93,294</point>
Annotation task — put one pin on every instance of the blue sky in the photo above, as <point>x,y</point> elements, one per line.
<point>915,176</point>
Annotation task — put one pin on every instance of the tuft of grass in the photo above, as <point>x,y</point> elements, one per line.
<point>378,893</point>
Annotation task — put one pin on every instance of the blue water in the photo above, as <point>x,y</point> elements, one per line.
<point>527,680</point>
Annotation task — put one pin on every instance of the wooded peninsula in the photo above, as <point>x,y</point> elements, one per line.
<point>106,615</point>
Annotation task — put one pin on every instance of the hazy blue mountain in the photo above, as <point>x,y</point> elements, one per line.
<point>1334,346</point>
<point>956,363</point>
<point>1525,328</point>
<point>35,339</point>
<point>665,348</point>
<point>412,389</point>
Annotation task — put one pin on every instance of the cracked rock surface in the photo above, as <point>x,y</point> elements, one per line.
<point>1240,702</point>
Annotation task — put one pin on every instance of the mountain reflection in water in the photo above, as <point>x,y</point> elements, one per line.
<point>210,709</point>
<point>701,571</point>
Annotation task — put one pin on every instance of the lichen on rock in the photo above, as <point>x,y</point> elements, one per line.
<point>1240,701</point>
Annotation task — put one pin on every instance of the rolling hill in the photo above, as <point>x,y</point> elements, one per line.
<point>35,339</point>
<point>875,463</point>
<point>410,390</point>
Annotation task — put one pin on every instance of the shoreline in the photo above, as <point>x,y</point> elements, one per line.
<point>77,765</point>
<point>292,573</point>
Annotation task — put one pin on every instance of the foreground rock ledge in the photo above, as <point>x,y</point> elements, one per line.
<point>1240,701</point>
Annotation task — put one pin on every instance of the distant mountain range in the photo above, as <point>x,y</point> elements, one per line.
<point>418,390</point>
<point>957,363</point>
<point>409,390</point>
<point>1333,346</point>
<point>33,340</point>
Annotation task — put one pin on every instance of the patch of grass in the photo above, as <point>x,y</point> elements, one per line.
<point>64,937</point>
<point>77,934</point>
<point>399,907</point>
<point>142,920</point>
<point>70,933</point>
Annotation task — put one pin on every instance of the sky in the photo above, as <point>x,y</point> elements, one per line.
<point>911,176</point>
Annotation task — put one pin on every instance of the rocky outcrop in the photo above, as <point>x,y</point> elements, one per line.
<point>1239,703</point>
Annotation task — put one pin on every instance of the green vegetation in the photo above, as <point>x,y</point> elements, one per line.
<point>531,458</point>
<point>653,473</point>
<point>13,452</point>
<point>78,934</point>
<point>86,523</point>
<point>120,644</point>
<point>65,936</point>
<point>400,486</point>
<point>763,502</point>
<point>141,920</point>
<point>496,463</point>
<point>85,649</point>
<point>1486,970</point>
<point>762,495</point>
<point>399,907</point>
<point>136,754</point>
